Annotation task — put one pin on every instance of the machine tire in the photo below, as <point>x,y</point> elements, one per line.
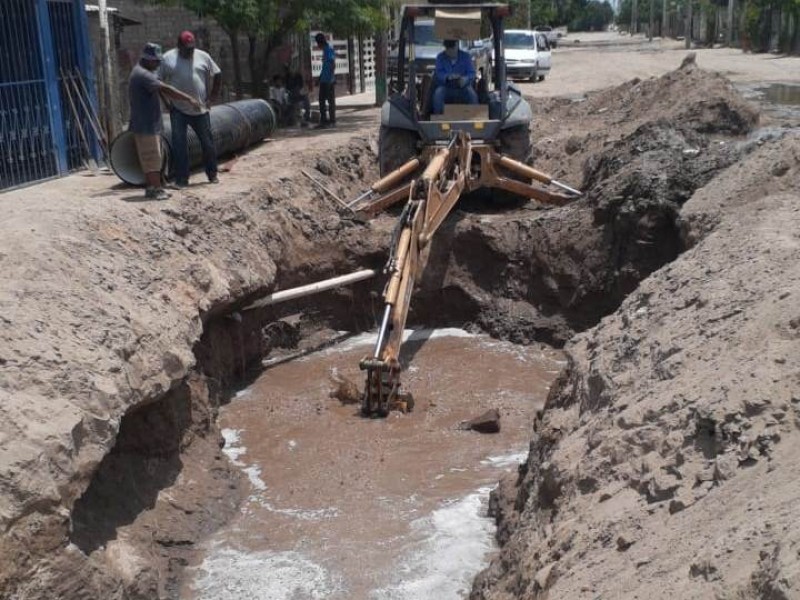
<point>395,148</point>
<point>515,142</point>
<point>541,77</point>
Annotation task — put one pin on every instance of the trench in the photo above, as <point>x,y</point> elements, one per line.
<point>330,492</point>
<point>259,472</point>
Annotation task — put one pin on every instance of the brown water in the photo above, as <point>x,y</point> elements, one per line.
<point>345,507</point>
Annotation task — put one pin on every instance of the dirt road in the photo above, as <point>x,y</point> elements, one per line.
<point>587,62</point>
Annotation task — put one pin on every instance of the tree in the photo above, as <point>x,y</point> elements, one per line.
<point>234,17</point>
<point>267,23</point>
<point>594,16</point>
<point>350,17</point>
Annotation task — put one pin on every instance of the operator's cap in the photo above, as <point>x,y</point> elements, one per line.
<point>450,43</point>
<point>151,51</point>
<point>186,39</point>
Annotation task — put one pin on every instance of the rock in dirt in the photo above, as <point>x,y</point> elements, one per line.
<point>488,422</point>
<point>344,390</point>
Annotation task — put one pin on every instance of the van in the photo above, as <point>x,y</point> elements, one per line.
<point>528,54</point>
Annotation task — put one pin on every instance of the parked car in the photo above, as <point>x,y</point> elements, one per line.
<point>427,46</point>
<point>528,54</point>
<point>551,34</point>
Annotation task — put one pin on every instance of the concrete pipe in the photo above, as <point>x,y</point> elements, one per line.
<point>234,127</point>
<point>125,161</point>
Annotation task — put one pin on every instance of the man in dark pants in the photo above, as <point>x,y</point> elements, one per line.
<point>327,83</point>
<point>193,72</point>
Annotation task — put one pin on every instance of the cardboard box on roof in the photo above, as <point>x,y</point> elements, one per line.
<point>457,24</point>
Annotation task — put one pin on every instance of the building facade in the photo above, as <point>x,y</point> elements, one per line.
<point>46,83</point>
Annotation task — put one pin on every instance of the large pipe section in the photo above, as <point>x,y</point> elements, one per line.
<point>234,126</point>
<point>312,288</point>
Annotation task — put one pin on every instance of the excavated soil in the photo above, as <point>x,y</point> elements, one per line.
<point>122,333</point>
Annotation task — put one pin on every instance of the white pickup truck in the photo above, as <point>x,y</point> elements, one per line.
<point>551,34</point>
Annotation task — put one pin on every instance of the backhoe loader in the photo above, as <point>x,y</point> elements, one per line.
<point>429,161</point>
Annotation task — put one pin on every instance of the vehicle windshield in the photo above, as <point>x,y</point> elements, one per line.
<point>424,36</point>
<point>517,40</point>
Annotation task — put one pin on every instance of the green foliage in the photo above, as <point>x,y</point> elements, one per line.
<point>580,14</point>
<point>346,17</point>
<point>595,16</point>
<point>623,17</point>
<point>265,18</point>
<point>543,12</point>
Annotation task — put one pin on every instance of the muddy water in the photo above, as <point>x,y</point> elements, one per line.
<point>782,93</point>
<point>345,507</point>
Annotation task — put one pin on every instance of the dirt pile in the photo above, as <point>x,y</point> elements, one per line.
<point>643,149</point>
<point>570,131</point>
<point>664,464</point>
<point>101,402</point>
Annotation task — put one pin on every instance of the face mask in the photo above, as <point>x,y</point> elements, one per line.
<point>451,52</point>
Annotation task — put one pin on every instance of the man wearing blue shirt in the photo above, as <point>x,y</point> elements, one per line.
<point>327,83</point>
<point>454,76</point>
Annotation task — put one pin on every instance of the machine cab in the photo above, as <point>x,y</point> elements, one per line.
<point>478,28</point>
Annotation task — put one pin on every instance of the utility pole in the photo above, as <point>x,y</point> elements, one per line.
<point>652,22</point>
<point>635,17</point>
<point>382,60</point>
<point>688,36</point>
<point>109,105</point>
<point>729,33</point>
<point>381,46</point>
<point>528,4</point>
<point>664,25</point>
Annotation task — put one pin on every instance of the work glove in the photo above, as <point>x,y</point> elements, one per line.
<point>462,82</point>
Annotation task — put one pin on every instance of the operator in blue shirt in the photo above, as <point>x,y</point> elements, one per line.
<point>327,83</point>
<point>454,76</point>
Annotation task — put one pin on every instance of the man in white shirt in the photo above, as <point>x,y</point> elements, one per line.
<point>193,72</point>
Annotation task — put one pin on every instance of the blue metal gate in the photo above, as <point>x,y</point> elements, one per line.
<point>39,41</point>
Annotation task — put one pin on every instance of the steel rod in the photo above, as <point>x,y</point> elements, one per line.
<point>566,187</point>
<point>87,112</point>
<point>387,313</point>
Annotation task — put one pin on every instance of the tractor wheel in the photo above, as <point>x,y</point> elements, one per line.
<point>395,148</point>
<point>515,142</point>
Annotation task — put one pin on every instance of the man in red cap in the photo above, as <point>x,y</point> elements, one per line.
<point>195,73</point>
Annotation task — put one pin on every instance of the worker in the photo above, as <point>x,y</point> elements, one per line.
<point>144,89</point>
<point>279,98</point>
<point>195,73</point>
<point>327,83</point>
<point>453,78</point>
<point>298,95</point>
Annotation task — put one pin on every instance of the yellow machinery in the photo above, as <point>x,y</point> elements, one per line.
<point>431,185</point>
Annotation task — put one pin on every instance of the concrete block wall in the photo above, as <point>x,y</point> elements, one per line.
<point>162,24</point>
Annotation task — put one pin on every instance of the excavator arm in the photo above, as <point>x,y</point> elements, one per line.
<point>449,171</point>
